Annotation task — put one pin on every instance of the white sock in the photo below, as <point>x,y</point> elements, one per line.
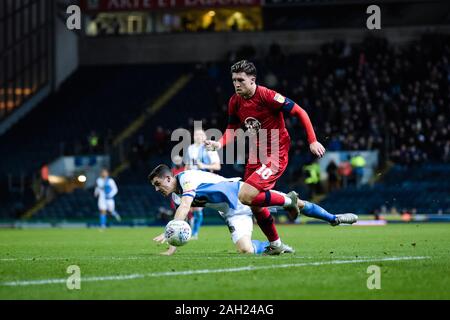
<point>276,243</point>
<point>287,200</point>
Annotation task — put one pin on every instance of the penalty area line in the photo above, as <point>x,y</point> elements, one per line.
<point>205,271</point>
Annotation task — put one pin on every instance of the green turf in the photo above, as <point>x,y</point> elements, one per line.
<point>45,254</point>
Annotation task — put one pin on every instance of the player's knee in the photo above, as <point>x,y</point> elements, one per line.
<point>300,204</point>
<point>246,249</point>
<point>244,245</point>
<point>245,198</point>
<point>247,194</point>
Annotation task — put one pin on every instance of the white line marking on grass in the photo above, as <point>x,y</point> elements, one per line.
<point>205,271</point>
<point>157,257</point>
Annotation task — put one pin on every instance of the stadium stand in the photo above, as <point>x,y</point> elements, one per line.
<point>413,189</point>
<point>367,96</point>
<point>112,97</point>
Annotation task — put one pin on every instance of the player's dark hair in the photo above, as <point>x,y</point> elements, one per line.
<point>159,172</point>
<point>244,66</point>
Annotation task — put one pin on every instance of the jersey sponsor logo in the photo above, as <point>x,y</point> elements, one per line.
<point>253,125</point>
<point>187,186</point>
<point>279,98</point>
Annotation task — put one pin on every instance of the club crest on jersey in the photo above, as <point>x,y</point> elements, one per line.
<point>187,185</point>
<point>253,125</point>
<point>279,98</point>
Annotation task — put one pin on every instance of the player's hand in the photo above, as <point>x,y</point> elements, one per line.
<point>317,149</point>
<point>212,145</point>
<point>200,165</point>
<point>169,251</point>
<point>160,239</point>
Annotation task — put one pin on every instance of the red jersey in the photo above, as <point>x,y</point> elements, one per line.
<point>177,170</point>
<point>264,110</point>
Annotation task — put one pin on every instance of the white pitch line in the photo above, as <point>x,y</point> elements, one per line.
<point>204,271</point>
<point>154,257</point>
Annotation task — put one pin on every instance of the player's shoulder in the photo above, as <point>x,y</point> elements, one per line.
<point>181,174</point>
<point>271,95</point>
<point>265,92</point>
<point>233,101</point>
<point>234,104</point>
<point>233,98</point>
<point>187,175</point>
<point>189,179</point>
<point>263,89</point>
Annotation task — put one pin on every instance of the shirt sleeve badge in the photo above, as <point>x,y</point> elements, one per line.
<point>279,98</point>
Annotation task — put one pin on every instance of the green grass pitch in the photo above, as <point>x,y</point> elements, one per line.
<point>330,263</point>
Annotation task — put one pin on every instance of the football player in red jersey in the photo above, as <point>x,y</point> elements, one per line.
<point>261,108</point>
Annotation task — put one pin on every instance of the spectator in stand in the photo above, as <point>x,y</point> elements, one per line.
<point>312,171</point>
<point>160,139</point>
<point>45,183</point>
<point>332,171</point>
<point>345,171</point>
<point>358,163</point>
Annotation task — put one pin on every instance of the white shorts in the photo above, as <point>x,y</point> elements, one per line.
<point>106,205</point>
<point>239,226</point>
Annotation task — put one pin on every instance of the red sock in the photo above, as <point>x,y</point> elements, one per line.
<point>268,199</point>
<point>265,222</point>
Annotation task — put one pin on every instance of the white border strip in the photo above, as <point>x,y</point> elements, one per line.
<point>205,271</point>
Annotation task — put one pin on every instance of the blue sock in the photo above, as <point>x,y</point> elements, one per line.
<point>314,211</point>
<point>103,220</point>
<point>259,246</point>
<point>198,219</point>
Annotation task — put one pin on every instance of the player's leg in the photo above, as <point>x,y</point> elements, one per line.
<point>257,185</point>
<point>261,214</point>
<point>112,209</point>
<point>266,224</point>
<point>313,210</point>
<point>250,195</point>
<point>241,228</point>
<point>102,208</point>
<point>103,219</point>
<point>244,245</point>
<point>197,221</point>
<point>260,179</point>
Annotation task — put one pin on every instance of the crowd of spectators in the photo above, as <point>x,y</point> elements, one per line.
<point>375,96</point>
<point>371,96</point>
<point>367,96</point>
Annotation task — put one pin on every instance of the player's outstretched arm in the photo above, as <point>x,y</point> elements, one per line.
<point>315,146</point>
<point>162,239</point>
<point>317,149</point>
<point>169,251</point>
<point>183,208</point>
<point>227,137</point>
